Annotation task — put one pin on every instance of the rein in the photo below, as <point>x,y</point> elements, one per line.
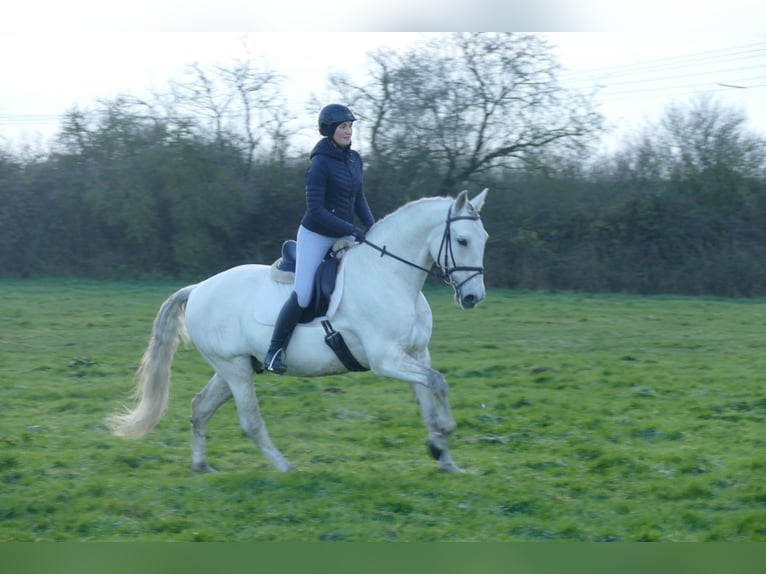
<point>446,247</point>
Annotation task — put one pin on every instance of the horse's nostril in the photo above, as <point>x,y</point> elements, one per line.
<point>469,300</point>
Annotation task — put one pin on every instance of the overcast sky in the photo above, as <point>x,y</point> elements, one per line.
<point>73,57</point>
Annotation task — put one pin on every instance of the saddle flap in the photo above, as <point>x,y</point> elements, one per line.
<point>324,285</point>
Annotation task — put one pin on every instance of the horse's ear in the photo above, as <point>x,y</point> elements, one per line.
<point>478,201</point>
<point>461,201</point>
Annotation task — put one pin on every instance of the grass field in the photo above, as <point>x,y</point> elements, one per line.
<point>598,418</point>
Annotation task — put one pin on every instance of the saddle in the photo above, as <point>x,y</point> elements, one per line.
<point>283,271</point>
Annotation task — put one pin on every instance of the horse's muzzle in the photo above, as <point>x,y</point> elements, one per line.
<point>469,301</point>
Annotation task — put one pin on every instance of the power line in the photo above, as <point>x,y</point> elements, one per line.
<point>747,51</point>
<point>677,91</point>
<point>687,75</point>
<point>705,72</point>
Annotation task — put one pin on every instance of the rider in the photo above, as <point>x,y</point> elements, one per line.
<point>334,195</point>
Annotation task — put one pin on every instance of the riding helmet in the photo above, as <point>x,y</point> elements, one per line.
<point>332,115</point>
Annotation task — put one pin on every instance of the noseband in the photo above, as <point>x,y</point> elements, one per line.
<point>446,249</point>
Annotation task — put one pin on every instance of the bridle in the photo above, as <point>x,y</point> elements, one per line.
<point>446,249</point>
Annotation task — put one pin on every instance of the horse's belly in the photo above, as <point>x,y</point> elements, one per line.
<point>308,355</point>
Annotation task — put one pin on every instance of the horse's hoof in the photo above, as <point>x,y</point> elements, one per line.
<point>435,451</point>
<point>451,467</point>
<point>284,466</point>
<point>203,468</point>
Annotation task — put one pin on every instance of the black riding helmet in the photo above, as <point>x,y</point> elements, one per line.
<point>332,115</point>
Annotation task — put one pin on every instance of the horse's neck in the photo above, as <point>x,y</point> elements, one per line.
<point>410,228</point>
<point>406,233</point>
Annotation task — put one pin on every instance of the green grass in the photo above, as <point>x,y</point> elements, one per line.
<point>579,417</point>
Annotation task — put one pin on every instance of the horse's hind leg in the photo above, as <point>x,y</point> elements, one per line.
<point>238,376</point>
<point>204,405</point>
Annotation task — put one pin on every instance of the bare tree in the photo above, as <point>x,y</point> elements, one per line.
<point>701,146</point>
<point>706,137</point>
<point>241,101</point>
<point>467,104</point>
<point>201,95</point>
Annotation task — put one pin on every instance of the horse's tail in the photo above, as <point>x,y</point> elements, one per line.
<point>153,376</point>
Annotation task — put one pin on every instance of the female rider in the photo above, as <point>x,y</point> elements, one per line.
<point>334,196</point>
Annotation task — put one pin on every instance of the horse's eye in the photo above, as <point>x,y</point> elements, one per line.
<point>462,241</point>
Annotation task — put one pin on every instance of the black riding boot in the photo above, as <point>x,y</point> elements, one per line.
<point>288,318</point>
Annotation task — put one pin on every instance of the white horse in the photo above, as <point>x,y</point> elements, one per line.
<point>379,309</point>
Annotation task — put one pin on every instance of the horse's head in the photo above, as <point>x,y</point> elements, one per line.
<point>461,251</point>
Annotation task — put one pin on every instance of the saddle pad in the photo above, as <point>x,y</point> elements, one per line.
<point>271,295</point>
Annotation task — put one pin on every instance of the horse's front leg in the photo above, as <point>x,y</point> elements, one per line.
<point>440,428</point>
<point>430,388</point>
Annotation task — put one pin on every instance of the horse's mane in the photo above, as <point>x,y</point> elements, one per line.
<point>409,204</point>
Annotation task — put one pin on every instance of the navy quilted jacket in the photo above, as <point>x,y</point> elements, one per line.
<point>334,191</point>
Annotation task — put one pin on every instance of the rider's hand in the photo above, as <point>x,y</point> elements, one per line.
<point>358,234</point>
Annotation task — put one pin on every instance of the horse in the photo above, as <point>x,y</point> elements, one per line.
<point>378,306</point>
